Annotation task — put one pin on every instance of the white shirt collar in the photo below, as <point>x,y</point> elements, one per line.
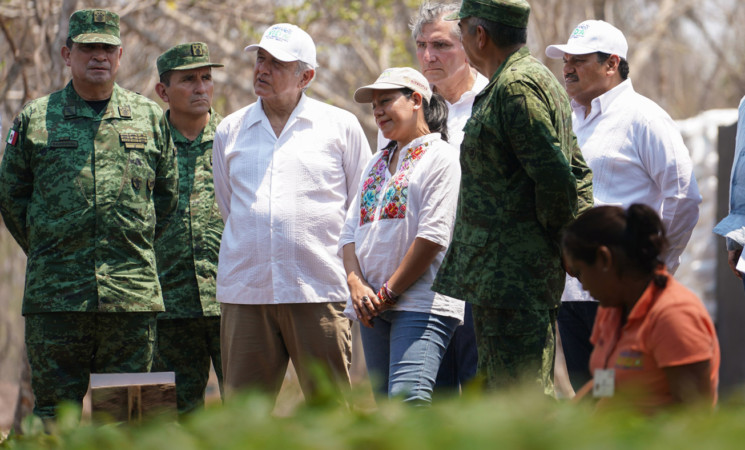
<point>478,85</point>
<point>301,111</point>
<point>602,102</point>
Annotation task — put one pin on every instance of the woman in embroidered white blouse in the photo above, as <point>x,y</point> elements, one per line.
<point>396,234</point>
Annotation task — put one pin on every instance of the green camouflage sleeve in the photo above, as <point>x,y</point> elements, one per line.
<point>16,184</point>
<point>583,175</point>
<point>538,148</point>
<point>165,194</point>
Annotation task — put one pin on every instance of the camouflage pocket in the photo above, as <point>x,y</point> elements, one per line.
<point>137,186</point>
<point>63,176</point>
<point>470,147</point>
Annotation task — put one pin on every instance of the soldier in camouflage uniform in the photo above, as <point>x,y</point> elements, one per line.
<point>87,182</point>
<point>523,179</point>
<point>189,330</point>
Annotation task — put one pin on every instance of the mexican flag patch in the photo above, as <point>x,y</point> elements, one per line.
<point>12,137</point>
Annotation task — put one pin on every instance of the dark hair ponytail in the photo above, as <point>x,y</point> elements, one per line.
<point>435,113</point>
<point>635,236</point>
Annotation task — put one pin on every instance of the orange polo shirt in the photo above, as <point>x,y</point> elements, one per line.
<point>667,327</point>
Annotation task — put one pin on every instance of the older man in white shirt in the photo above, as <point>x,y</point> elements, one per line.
<point>444,63</point>
<point>286,169</point>
<point>636,154</point>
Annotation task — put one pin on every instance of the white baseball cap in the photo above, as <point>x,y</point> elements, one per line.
<point>589,37</point>
<point>287,42</point>
<point>395,78</point>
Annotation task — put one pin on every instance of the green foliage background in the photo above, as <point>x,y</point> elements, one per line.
<point>517,420</point>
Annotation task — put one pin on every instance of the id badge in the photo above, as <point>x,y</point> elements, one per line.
<point>603,383</point>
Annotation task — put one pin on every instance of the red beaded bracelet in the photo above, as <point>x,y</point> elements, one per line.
<point>386,295</point>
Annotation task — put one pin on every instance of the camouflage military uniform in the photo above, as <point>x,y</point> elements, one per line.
<point>523,179</point>
<point>189,330</point>
<point>81,193</point>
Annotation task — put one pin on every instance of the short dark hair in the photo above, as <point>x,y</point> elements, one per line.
<point>623,66</point>
<point>435,113</point>
<point>165,77</point>
<point>635,236</point>
<point>502,35</point>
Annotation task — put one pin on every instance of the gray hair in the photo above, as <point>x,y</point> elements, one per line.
<point>430,13</point>
<point>302,67</point>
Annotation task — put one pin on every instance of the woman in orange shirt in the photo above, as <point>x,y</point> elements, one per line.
<point>655,344</point>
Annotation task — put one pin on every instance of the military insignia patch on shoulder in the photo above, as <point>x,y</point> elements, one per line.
<point>197,50</point>
<point>125,111</point>
<point>12,137</point>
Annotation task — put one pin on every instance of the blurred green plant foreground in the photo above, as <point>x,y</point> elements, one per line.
<point>516,420</point>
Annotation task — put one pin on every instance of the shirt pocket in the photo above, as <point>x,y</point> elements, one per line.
<point>64,178</point>
<point>137,184</point>
<point>470,145</point>
<point>203,202</point>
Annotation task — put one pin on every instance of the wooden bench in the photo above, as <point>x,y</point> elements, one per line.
<point>130,397</point>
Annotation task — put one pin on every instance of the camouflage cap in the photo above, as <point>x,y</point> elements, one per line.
<point>187,56</point>
<point>513,13</point>
<point>94,26</point>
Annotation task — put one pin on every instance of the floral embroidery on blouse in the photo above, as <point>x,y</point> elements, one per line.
<point>394,199</point>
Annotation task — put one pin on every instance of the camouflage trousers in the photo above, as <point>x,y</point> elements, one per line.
<point>65,348</point>
<point>186,347</point>
<point>516,346</point>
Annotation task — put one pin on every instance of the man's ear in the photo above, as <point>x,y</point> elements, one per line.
<point>612,64</point>
<point>65,52</point>
<point>481,37</point>
<point>160,89</point>
<point>307,77</point>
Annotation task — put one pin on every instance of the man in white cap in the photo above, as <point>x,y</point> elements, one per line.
<point>636,154</point>
<point>286,169</point>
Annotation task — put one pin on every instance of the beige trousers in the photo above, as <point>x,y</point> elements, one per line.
<point>257,342</point>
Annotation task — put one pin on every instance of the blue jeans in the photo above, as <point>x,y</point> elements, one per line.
<point>403,351</point>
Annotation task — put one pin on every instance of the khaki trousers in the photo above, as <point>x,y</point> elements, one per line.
<point>258,341</point>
